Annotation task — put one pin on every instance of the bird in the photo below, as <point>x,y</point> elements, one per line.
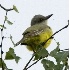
<point>37,33</point>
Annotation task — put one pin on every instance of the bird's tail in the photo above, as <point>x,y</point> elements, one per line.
<point>21,42</point>
<point>18,43</point>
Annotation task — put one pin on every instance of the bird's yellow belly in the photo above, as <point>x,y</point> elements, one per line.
<point>36,40</point>
<point>44,36</point>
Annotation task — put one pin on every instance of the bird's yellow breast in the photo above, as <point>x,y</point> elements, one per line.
<point>46,35</point>
<point>42,37</point>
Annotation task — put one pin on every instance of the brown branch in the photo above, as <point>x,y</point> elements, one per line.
<point>28,62</point>
<point>33,63</point>
<point>36,62</point>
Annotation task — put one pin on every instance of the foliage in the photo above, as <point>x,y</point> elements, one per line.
<point>1,26</point>
<point>61,59</point>
<point>15,8</point>
<point>5,67</point>
<point>11,55</point>
<point>41,53</point>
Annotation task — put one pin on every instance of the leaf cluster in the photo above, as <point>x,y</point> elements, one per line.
<point>61,57</point>
<point>10,55</point>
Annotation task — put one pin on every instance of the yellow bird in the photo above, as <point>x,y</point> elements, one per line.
<point>37,33</point>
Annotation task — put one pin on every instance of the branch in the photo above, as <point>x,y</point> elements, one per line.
<point>55,33</point>
<point>61,28</point>
<point>1,53</point>
<point>28,62</point>
<point>5,8</point>
<point>12,40</point>
<point>33,63</point>
<point>2,39</point>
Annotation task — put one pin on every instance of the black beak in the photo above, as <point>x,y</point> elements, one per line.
<point>47,17</point>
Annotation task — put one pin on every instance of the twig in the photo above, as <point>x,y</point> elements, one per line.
<point>55,33</point>
<point>64,50</point>
<point>61,29</point>
<point>28,62</point>
<point>2,34</point>
<point>1,46</point>
<point>43,44</point>
<point>2,39</point>
<point>12,40</point>
<point>5,8</point>
<point>33,63</point>
<point>1,53</point>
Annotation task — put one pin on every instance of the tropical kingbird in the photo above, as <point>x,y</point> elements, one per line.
<point>37,33</point>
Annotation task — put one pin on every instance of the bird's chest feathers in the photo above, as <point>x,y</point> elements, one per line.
<point>38,36</point>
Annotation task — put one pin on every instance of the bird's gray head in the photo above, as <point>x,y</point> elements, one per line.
<point>39,18</point>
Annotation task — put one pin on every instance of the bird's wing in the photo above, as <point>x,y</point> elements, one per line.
<point>34,30</point>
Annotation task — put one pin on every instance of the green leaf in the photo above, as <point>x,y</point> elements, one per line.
<point>54,52</point>
<point>67,68</point>
<point>58,67</point>
<point>41,53</point>
<point>17,59</point>
<point>2,26</point>
<point>12,40</point>
<point>14,8</point>
<point>47,64</point>
<point>58,44</point>
<point>11,55</point>
<point>6,18</point>
<point>9,22</point>
<point>59,55</point>
<point>4,65</point>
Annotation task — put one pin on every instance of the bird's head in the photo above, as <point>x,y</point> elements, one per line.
<point>37,19</point>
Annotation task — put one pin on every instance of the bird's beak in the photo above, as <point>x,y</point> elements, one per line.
<point>47,17</point>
